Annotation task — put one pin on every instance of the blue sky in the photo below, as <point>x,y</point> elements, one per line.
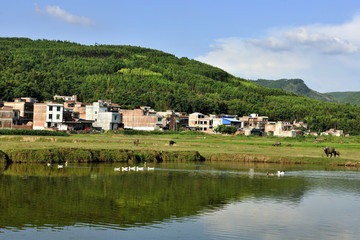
<point>317,41</point>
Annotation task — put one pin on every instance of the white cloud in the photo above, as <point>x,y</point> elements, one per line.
<point>59,13</point>
<point>315,53</point>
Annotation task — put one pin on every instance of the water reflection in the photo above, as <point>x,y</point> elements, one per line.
<point>229,201</point>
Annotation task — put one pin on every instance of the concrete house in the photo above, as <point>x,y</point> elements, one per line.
<point>104,115</point>
<point>48,115</point>
<point>9,117</point>
<point>254,124</point>
<point>143,118</point>
<point>229,120</point>
<point>25,105</point>
<point>201,122</point>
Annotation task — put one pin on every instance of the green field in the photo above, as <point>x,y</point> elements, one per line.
<point>212,147</point>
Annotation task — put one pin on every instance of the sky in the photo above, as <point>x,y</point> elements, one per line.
<point>317,41</point>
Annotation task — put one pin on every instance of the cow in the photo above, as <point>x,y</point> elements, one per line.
<point>329,151</point>
<point>171,143</point>
<point>136,142</point>
<point>277,144</point>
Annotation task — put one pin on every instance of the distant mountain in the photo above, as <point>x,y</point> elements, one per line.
<point>296,86</point>
<point>346,97</point>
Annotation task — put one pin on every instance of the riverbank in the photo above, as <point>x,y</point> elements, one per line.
<point>117,147</point>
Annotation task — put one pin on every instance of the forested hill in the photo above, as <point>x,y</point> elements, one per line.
<point>296,86</point>
<point>346,97</point>
<point>135,76</point>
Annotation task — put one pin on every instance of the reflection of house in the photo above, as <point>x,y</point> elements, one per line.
<point>201,122</point>
<point>144,118</point>
<point>25,107</point>
<point>48,115</point>
<point>104,115</point>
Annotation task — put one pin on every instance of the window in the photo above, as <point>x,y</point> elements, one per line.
<point>115,117</point>
<point>205,128</point>
<point>195,122</point>
<point>50,116</point>
<point>50,108</point>
<point>159,119</point>
<point>7,114</point>
<point>57,116</point>
<point>95,112</point>
<point>58,109</point>
<point>205,122</point>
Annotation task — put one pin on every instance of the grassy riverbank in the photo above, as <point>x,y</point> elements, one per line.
<point>212,147</point>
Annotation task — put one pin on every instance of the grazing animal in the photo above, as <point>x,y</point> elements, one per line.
<point>136,142</point>
<point>277,144</point>
<point>336,153</point>
<point>171,143</point>
<point>329,151</point>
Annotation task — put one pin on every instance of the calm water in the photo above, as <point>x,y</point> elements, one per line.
<point>179,201</point>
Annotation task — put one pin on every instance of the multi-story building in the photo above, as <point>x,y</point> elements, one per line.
<point>143,118</point>
<point>9,117</point>
<point>48,115</point>
<point>25,106</point>
<point>104,115</point>
<point>201,122</point>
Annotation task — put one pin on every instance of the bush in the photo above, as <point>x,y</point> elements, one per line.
<point>32,132</point>
<point>225,129</point>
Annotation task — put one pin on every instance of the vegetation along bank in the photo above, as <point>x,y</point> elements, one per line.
<point>121,148</point>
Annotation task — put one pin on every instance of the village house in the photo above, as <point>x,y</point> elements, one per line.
<point>201,122</point>
<point>104,115</point>
<point>143,118</point>
<point>253,124</point>
<point>228,120</point>
<point>281,129</point>
<point>48,116</point>
<point>72,98</point>
<point>9,117</point>
<point>25,105</point>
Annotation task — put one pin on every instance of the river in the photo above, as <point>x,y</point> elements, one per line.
<point>179,201</point>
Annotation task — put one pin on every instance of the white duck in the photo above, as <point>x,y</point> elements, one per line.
<point>117,169</point>
<point>124,168</point>
<point>60,166</point>
<point>280,173</point>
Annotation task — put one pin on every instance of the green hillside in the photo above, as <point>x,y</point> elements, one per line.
<point>135,76</point>
<point>296,86</point>
<point>346,97</point>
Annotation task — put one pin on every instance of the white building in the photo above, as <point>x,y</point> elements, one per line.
<point>48,115</point>
<point>102,115</point>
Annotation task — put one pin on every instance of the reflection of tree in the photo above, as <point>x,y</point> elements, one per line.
<point>128,199</point>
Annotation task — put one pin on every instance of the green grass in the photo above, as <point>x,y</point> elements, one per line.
<point>302,149</point>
